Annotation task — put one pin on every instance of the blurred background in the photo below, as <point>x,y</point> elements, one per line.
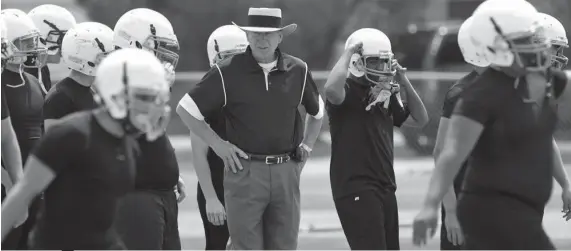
<point>423,35</point>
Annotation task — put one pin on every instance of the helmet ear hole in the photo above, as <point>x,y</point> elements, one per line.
<point>139,45</point>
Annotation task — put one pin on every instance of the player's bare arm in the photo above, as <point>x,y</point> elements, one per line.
<point>11,151</point>
<point>417,110</point>
<point>35,180</point>
<point>335,84</point>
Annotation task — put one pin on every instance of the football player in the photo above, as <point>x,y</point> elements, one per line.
<point>11,156</point>
<point>84,164</point>
<point>53,22</point>
<point>148,217</point>
<point>451,236</point>
<point>24,96</point>
<point>505,122</point>
<point>82,51</point>
<point>224,42</point>
<point>364,104</point>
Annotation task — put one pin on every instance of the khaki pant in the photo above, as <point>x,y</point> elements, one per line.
<point>263,205</point>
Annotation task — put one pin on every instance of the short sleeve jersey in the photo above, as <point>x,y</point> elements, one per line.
<point>362,150</point>
<point>450,100</point>
<point>25,101</point>
<point>68,97</point>
<point>93,170</point>
<point>513,155</point>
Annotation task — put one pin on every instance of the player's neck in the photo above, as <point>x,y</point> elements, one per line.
<point>13,68</point>
<point>81,78</point>
<point>109,124</point>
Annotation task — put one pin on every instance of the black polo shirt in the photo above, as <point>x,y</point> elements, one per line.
<point>46,76</point>
<point>25,101</point>
<point>93,170</point>
<point>362,150</point>
<point>259,120</point>
<point>67,97</point>
<point>514,154</point>
<point>157,166</point>
<point>450,100</point>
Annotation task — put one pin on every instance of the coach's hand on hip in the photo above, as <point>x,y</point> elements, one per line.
<point>425,221</point>
<point>230,154</point>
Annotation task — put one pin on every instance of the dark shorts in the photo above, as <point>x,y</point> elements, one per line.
<point>497,221</point>
<point>148,220</point>
<point>370,220</point>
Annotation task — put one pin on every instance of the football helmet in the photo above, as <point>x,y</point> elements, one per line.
<point>149,30</point>
<point>224,42</point>
<point>375,61</point>
<point>472,53</point>
<point>85,45</point>
<point>23,39</point>
<point>53,22</point>
<point>557,35</point>
<point>510,31</point>
<point>130,83</point>
<point>6,48</point>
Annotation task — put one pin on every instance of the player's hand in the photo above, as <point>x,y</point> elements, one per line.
<point>171,75</point>
<point>398,67</point>
<point>180,190</point>
<point>566,197</point>
<point>455,235</point>
<point>230,154</point>
<point>355,48</point>
<point>424,223</point>
<point>215,212</point>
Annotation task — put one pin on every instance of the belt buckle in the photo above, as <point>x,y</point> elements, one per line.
<point>274,160</point>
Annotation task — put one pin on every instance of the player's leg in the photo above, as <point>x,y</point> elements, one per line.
<point>392,229</point>
<point>363,220</point>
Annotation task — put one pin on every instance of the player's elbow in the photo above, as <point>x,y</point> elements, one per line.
<point>335,95</point>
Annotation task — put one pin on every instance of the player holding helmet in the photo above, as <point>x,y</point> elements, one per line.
<point>148,217</point>
<point>362,109</point>
<point>82,50</point>
<point>88,158</point>
<point>224,42</point>
<point>53,22</point>
<point>505,122</point>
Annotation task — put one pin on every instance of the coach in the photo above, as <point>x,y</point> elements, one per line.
<point>259,92</point>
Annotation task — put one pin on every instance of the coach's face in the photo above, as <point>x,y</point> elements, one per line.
<point>264,43</point>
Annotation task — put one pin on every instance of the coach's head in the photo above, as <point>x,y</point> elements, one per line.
<point>265,32</point>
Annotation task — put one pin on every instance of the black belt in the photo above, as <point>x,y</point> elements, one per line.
<point>271,159</point>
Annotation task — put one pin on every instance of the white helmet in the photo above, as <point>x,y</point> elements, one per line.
<point>555,31</point>
<point>147,29</point>
<point>131,84</point>
<point>23,38</point>
<point>53,22</point>
<point>472,54</point>
<point>377,51</point>
<point>85,45</point>
<point>510,30</point>
<point>224,42</point>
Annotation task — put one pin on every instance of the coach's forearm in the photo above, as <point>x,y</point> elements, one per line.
<point>198,127</point>
<point>312,130</point>
<point>559,172</point>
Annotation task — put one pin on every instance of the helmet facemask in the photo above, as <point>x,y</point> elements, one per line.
<point>7,52</point>
<point>221,55</point>
<point>530,48</point>
<point>378,68</point>
<point>558,60</point>
<point>28,52</point>
<point>148,112</point>
<point>165,49</point>
<point>54,39</point>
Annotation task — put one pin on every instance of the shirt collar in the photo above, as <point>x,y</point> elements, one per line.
<point>254,66</point>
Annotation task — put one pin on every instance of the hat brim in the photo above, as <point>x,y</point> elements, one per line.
<point>286,30</point>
